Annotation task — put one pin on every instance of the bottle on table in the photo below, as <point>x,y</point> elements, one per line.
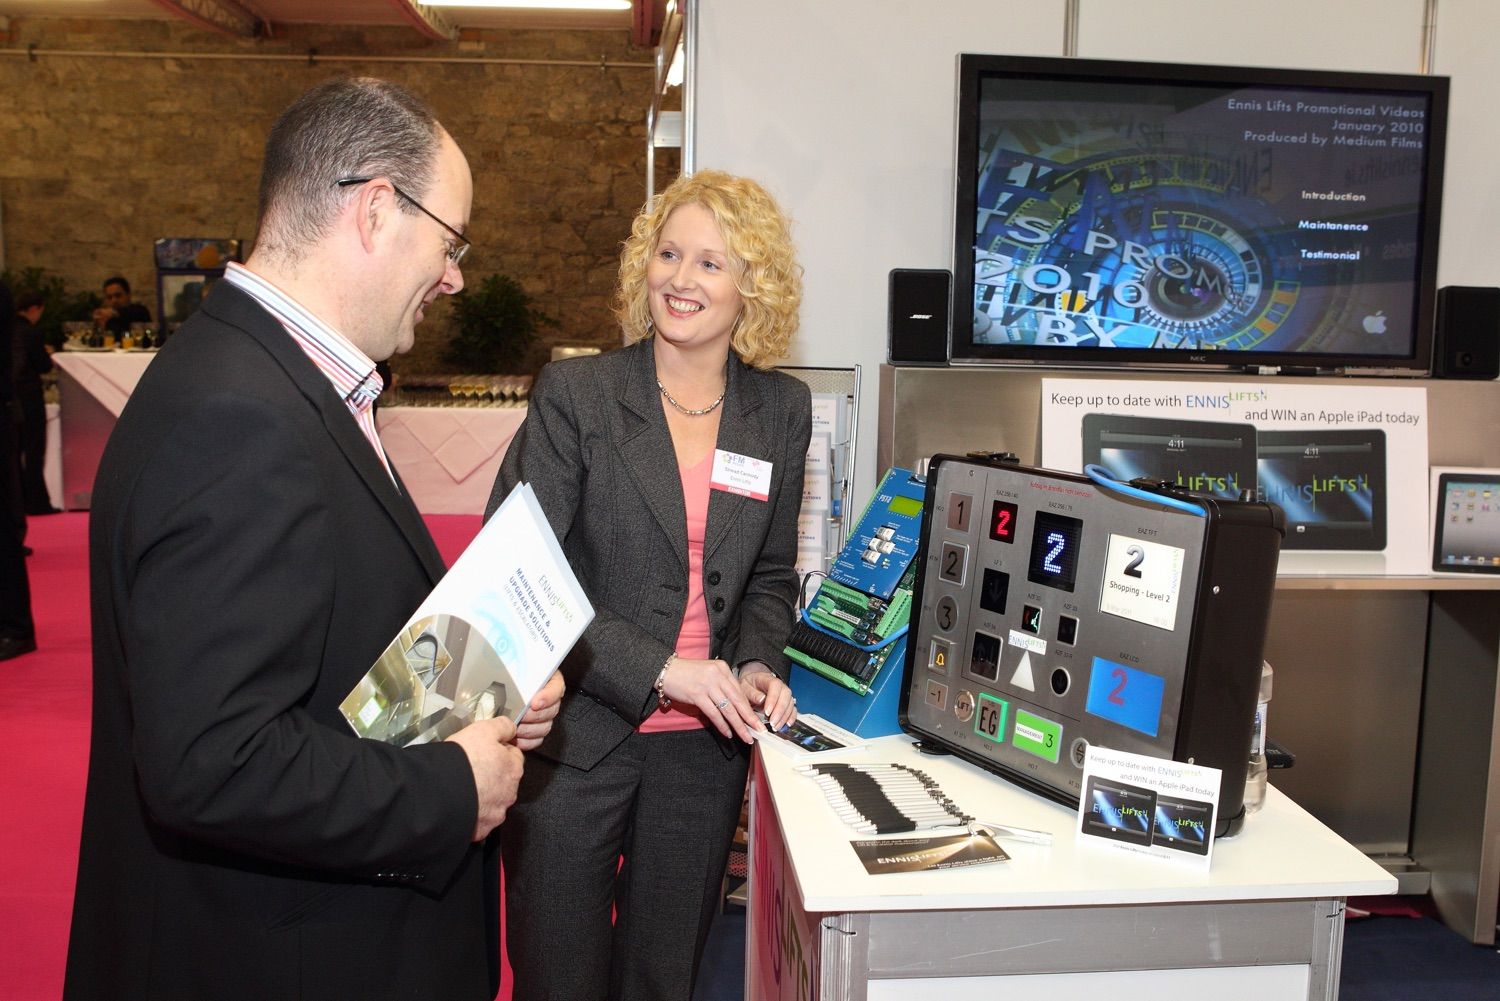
<point>1255,779</point>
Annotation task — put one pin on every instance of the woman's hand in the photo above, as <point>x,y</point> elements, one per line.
<point>768,693</point>
<point>712,687</point>
<point>536,722</point>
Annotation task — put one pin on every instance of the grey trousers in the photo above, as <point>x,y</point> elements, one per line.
<point>643,836</point>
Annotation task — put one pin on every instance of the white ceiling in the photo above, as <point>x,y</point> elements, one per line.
<point>383,12</point>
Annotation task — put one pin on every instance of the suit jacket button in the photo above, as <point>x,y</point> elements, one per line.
<point>713,579</point>
<point>718,604</point>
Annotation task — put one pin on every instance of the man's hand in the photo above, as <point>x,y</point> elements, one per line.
<point>536,722</point>
<point>497,764</point>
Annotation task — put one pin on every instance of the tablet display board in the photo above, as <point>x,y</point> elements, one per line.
<point>1330,483</point>
<point>1202,456</point>
<point>1466,536</point>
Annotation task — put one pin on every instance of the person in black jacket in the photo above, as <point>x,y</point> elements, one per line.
<point>17,630</point>
<point>119,310</point>
<point>251,554</point>
<point>31,361</point>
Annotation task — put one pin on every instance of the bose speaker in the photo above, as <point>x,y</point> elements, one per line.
<point>1466,341</point>
<point>919,316</point>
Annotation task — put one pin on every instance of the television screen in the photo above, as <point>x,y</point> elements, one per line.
<point>1173,215</point>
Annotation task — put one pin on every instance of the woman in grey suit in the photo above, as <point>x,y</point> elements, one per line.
<point>672,471</point>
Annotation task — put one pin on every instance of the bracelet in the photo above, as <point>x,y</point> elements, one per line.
<point>662,701</point>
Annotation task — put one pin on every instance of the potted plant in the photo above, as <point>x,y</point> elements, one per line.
<point>496,326</point>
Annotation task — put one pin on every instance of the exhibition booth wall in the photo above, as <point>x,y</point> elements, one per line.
<point>859,145</point>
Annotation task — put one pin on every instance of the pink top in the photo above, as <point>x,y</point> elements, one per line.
<point>693,639</point>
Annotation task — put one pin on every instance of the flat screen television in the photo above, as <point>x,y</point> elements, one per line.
<point>1164,215</point>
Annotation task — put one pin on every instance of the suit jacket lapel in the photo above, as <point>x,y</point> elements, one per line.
<point>740,432</point>
<point>646,447</point>
<point>239,309</point>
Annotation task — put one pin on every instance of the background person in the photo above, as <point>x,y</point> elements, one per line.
<point>693,588</point>
<point>119,310</point>
<point>17,630</point>
<point>30,361</point>
<point>252,553</point>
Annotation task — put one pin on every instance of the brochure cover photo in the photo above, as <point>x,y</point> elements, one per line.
<point>484,641</point>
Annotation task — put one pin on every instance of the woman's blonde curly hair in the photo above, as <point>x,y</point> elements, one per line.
<point>762,261</point>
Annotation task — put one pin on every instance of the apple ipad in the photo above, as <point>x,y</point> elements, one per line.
<point>1203,456</point>
<point>1330,483</point>
<point>1466,531</point>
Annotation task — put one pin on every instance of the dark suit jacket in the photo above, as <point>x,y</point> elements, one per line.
<point>250,558</point>
<point>596,449</point>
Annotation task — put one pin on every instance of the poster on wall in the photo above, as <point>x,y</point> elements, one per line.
<point>1336,459</point>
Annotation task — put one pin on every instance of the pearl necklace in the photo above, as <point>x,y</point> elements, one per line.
<point>684,410</point>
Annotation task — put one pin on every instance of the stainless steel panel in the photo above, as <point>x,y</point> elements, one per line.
<point>1347,689</point>
<point>1456,826</point>
<point>907,944</point>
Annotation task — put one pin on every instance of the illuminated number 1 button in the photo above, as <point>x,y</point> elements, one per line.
<point>959,506</point>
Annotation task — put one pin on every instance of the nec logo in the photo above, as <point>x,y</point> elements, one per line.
<point>920,316</point>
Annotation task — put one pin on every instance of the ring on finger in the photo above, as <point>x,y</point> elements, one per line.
<point>721,705</point>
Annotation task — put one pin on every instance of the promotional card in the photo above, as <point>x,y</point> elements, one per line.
<point>1324,454</point>
<point>1148,805</point>
<point>947,851</point>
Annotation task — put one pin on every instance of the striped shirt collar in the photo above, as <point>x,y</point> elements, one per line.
<point>348,368</point>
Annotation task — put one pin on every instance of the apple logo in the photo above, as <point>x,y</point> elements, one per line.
<point>1375,324</point>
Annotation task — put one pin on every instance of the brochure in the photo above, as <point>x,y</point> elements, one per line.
<point>484,641</point>
<point>808,734</point>
<point>926,854</point>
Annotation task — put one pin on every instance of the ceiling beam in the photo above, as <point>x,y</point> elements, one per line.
<point>223,16</point>
<point>646,17</point>
<point>428,20</point>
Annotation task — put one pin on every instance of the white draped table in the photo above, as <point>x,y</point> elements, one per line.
<point>447,456</point>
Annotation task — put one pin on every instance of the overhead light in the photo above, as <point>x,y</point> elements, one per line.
<point>535,4</point>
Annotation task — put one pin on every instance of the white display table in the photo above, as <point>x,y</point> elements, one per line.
<point>447,456</point>
<point>1264,923</point>
<point>92,388</point>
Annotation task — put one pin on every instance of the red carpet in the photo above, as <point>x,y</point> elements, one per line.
<point>44,717</point>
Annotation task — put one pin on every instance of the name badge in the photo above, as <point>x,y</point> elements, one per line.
<point>741,474</point>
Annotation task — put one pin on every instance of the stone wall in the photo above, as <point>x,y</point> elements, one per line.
<point>104,153</point>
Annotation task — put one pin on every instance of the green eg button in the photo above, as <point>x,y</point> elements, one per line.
<point>1036,735</point>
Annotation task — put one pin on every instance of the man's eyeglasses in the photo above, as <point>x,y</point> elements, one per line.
<point>456,251</point>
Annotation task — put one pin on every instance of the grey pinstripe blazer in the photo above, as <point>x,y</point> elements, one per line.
<point>596,449</point>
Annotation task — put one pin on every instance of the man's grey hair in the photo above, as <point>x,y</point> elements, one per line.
<point>349,127</point>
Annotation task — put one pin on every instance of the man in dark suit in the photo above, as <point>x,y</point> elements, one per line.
<point>251,554</point>
<point>17,631</point>
<point>30,362</point>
